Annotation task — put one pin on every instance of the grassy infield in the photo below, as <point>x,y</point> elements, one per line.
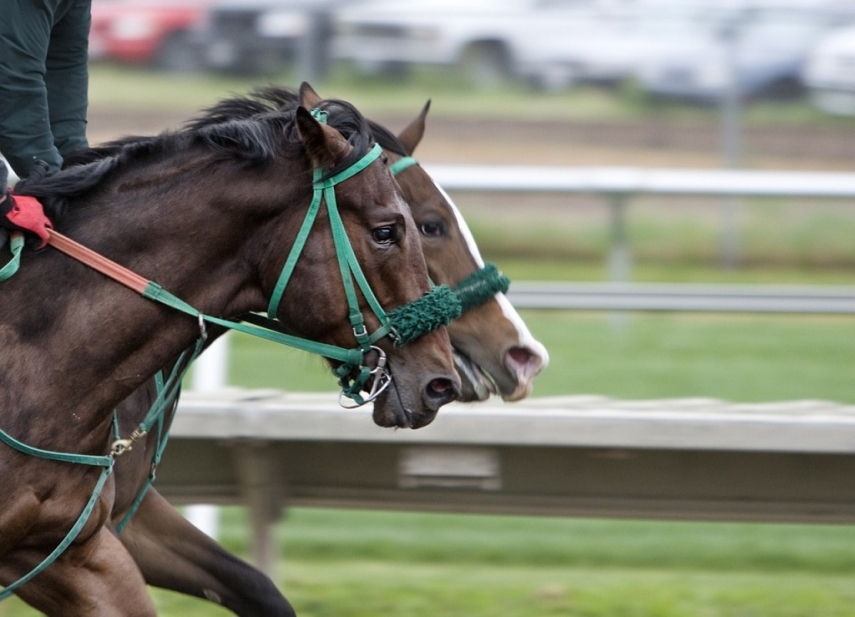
<point>409,565</point>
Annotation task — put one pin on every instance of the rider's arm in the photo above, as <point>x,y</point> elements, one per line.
<point>41,51</point>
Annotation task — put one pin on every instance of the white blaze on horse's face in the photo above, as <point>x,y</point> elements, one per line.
<point>535,358</point>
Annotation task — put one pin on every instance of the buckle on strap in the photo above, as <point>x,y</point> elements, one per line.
<point>382,380</point>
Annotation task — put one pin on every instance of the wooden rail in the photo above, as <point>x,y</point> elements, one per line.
<point>582,456</point>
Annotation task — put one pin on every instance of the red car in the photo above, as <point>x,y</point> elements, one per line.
<point>151,32</point>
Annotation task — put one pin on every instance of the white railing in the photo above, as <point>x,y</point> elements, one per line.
<point>684,297</point>
<point>619,184</point>
<point>602,421</point>
<point>630,181</point>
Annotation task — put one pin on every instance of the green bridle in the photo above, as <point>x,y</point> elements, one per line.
<point>436,308</point>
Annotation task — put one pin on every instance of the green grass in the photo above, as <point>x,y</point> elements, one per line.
<point>513,541</point>
<point>361,564</point>
<point>463,591</point>
<point>357,563</point>
<point>370,589</point>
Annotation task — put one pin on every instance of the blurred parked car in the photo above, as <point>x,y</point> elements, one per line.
<point>829,73</point>
<point>263,36</point>
<point>151,32</point>
<point>771,46</point>
<point>481,36</point>
<point>559,47</point>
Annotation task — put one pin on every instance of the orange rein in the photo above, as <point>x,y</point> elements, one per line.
<point>97,262</point>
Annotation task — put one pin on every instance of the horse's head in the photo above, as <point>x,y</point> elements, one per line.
<point>255,191</point>
<point>494,350</point>
<point>377,229</point>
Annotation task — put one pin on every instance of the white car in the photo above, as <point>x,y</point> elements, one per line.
<point>771,44</point>
<point>829,74</point>
<point>386,36</point>
<point>560,46</point>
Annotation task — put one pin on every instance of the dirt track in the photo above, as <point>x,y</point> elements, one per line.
<point>659,144</point>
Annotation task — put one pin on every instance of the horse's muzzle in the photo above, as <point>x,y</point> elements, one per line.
<point>392,409</point>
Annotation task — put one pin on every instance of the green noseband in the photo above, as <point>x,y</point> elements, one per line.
<point>480,286</point>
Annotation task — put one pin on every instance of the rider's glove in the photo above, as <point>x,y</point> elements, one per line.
<point>25,213</point>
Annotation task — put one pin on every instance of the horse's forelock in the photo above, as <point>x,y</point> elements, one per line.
<point>253,141</point>
<point>346,119</point>
<point>277,97</point>
<point>261,100</point>
<point>248,126</point>
<point>226,111</point>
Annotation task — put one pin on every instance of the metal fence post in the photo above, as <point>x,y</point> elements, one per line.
<point>313,58</point>
<point>210,373</point>
<point>619,255</point>
<point>731,130</point>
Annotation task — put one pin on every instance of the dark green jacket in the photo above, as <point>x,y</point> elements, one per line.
<point>43,80</point>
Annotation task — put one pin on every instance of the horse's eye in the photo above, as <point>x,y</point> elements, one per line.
<point>385,235</point>
<point>432,230</point>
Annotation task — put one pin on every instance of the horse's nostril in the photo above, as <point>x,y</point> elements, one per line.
<point>442,389</point>
<point>521,356</point>
<point>524,362</point>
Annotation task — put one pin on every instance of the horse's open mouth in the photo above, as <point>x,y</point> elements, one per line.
<point>474,376</point>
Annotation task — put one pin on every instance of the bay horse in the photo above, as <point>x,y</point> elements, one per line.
<point>175,555</point>
<point>171,552</point>
<point>210,214</point>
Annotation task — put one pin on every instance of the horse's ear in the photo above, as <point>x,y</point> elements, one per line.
<point>308,97</point>
<point>412,135</point>
<point>324,145</point>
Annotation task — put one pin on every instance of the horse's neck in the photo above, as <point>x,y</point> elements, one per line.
<point>77,343</point>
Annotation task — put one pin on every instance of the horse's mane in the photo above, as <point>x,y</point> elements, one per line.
<point>264,99</point>
<point>243,129</point>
